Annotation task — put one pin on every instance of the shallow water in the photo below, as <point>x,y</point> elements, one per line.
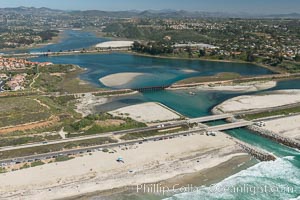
<point>157,71</point>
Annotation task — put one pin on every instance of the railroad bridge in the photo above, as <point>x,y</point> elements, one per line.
<point>151,89</point>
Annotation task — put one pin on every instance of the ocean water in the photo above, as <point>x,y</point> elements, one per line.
<point>278,179</point>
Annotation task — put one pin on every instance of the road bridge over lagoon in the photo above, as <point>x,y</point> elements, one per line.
<point>163,126</point>
<point>230,126</point>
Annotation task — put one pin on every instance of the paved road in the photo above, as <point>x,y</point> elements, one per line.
<point>138,130</point>
<point>94,148</point>
<point>210,118</point>
<point>229,126</point>
<point>146,129</point>
<point>89,149</point>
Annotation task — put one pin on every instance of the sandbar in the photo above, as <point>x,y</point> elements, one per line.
<point>115,44</point>
<point>261,101</point>
<point>119,79</point>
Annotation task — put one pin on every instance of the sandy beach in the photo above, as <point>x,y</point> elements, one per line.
<point>147,113</point>
<point>115,44</point>
<point>146,163</point>
<point>243,87</point>
<point>204,177</point>
<point>119,79</point>
<point>285,126</point>
<point>267,100</point>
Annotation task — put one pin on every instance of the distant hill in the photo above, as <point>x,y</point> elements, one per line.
<point>289,16</point>
<point>30,10</point>
<point>166,13</point>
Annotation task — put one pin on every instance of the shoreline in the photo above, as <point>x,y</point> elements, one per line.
<point>200,178</point>
<point>143,164</point>
<point>205,59</point>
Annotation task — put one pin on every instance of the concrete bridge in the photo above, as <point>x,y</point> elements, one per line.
<point>225,127</point>
<point>209,118</point>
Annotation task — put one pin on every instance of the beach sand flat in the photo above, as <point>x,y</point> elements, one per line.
<point>119,79</point>
<point>286,126</point>
<point>149,162</point>
<point>146,113</point>
<point>245,87</point>
<point>115,44</point>
<point>268,100</point>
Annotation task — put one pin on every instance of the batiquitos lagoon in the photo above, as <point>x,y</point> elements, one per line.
<point>95,119</point>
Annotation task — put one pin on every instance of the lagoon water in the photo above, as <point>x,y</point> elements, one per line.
<point>265,181</point>
<point>159,71</point>
<point>72,40</point>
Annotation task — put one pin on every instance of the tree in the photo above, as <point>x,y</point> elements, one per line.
<point>190,52</point>
<point>202,52</point>
<point>297,58</point>
<point>250,57</point>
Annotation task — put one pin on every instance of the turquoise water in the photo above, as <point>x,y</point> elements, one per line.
<point>282,175</point>
<point>157,71</point>
<point>278,180</point>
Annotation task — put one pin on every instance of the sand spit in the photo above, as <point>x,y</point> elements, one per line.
<point>119,79</point>
<point>243,87</point>
<point>147,113</point>
<point>262,101</point>
<point>144,163</point>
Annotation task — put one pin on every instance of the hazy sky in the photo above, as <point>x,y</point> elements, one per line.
<point>250,6</point>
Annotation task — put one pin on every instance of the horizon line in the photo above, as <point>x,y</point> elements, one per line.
<point>142,10</point>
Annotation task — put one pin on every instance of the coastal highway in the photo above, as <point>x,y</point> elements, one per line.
<point>229,126</point>
<point>113,145</point>
<point>137,130</point>
<point>33,158</point>
<point>162,126</point>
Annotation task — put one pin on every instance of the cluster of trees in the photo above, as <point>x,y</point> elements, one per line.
<point>48,34</point>
<point>13,39</point>
<point>297,58</point>
<point>153,48</point>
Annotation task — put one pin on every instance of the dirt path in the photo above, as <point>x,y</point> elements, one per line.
<point>23,127</point>
<point>33,81</point>
<point>42,104</point>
